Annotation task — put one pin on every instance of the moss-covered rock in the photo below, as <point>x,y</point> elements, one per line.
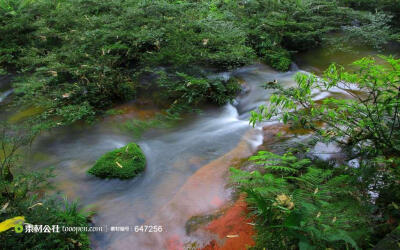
<point>122,163</point>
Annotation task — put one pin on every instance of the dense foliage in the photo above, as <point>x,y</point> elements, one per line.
<point>366,125</point>
<point>391,7</point>
<point>298,205</point>
<point>122,163</point>
<point>49,211</point>
<point>19,196</point>
<point>76,58</point>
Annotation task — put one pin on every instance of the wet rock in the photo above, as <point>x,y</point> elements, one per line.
<point>196,222</point>
<point>123,163</point>
<point>5,94</point>
<point>354,163</point>
<point>250,167</point>
<point>327,151</point>
<point>272,134</point>
<point>245,89</point>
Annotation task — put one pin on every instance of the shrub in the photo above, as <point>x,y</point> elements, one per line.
<point>45,211</point>
<point>122,163</point>
<point>80,57</point>
<point>390,7</point>
<point>19,189</point>
<point>297,205</point>
<point>277,28</point>
<point>185,91</point>
<point>374,31</point>
<point>366,125</point>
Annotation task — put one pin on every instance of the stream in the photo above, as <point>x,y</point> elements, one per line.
<point>187,165</point>
<point>173,157</point>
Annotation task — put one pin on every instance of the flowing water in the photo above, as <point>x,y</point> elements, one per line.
<point>187,166</point>
<point>173,157</point>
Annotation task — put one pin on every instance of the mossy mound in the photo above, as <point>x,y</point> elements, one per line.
<point>122,163</point>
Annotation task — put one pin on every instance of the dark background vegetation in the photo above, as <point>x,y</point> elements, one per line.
<point>77,58</point>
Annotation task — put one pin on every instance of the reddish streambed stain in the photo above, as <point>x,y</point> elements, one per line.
<point>234,229</point>
<point>203,193</point>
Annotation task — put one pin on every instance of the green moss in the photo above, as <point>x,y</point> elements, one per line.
<point>122,163</point>
<point>24,114</point>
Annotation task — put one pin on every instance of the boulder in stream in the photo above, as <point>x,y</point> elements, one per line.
<point>122,163</point>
